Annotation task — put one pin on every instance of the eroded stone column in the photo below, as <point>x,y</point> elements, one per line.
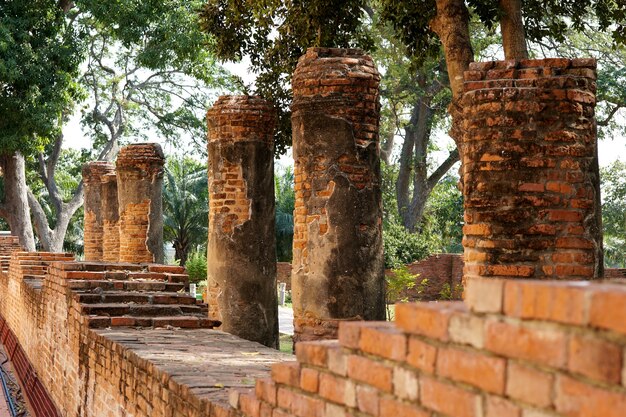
<point>241,248</point>
<point>93,172</point>
<point>110,216</point>
<point>337,247</point>
<point>140,182</point>
<point>531,181</point>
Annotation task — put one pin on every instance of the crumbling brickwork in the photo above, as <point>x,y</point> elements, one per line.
<point>93,173</point>
<point>515,349</point>
<point>8,245</point>
<point>337,247</point>
<point>531,182</point>
<point>71,329</point>
<point>110,216</point>
<point>241,265</point>
<point>140,181</point>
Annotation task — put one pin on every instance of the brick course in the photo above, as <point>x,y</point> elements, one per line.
<point>93,173</point>
<point>538,365</point>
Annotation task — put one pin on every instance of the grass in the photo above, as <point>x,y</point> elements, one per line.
<point>285,342</point>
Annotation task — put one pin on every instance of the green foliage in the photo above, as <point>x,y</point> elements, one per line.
<point>402,247</point>
<point>274,34</point>
<point>613,179</point>
<point>449,293</point>
<point>285,203</point>
<point>542,19</point>
<point>399,280</point>
<point>443,217</point>
<point>196,267</point>
<point>185,206</point>
<point>39,63</point>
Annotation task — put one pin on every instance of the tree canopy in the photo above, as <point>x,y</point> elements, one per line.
<point>40,56</point>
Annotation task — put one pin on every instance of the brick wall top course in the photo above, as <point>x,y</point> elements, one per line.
<point>241,118</point>
<point>96,170</point>
<point>140,156</point>
<point>518,348</point>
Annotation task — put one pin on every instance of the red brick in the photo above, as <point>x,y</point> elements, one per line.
<point>305,406</point>
<point>338,390</point>
<point>287,373</point>
<point>367,399</point>
<point>529,385</point>
<point>485,372</point>
<point>370,372</point>
<point>554,301</point>
<point>499,407</point>
<point>595,358</point>
<point>384,340</point>
<point>544,346</point>
<point>405,383</point>
<point>249,405</point>
<point>285,398</point>
<point>427,319</point>
<point>349,334</point>
<point>392,408</point>
<point>312,353</point>
<point>608,308</point>
<point>309,379</point>
<point>422,355</point>
<point>265,390</point>
<point>484,295</point>
<point>577,399</point>
<point>448,399</point>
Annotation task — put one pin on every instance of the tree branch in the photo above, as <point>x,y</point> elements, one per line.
<point>445,166</point>
<point>608,118</point>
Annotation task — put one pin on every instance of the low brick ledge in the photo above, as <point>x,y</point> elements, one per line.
<point>515,348</point>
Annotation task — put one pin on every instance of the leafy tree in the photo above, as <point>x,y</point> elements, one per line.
<point>146,69</point>
<point>39,63</point>
<point>274,34</point>
<point>614,213</point>
<point>285,204</point>
<point>185,206</point>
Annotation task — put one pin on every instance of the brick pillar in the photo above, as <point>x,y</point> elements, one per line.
<point>241,247</point>
<point>337,248</point>
<point>110,215</point>
<point>92,180</point>
<point>140,183</point>
<point>531,181</point>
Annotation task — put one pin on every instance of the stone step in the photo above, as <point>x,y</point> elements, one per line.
<point>135,297</point>
<point>127,276</point>
<point>186,322</point>
<point>111,285</point>
<point>143,310</point>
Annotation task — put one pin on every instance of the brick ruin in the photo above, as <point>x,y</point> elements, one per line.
<point>123,206</point>
<point>111,217</point>
<point>531,181</point>
<point>337,247</point>
<point>241,265</point>
<point>93,175</point>
<point>119,339</point>
<point>139,191</point>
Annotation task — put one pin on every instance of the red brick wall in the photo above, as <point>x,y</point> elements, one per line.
<point>439,270</point>
<point>515,349</point>
<point>283,273</point>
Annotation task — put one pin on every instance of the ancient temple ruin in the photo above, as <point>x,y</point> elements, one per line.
<point>119,339</point>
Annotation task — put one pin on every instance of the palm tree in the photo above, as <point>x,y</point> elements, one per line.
<point>185,206</point>
<point>285,201</point>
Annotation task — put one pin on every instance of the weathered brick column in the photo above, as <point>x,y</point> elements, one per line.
<point>531,181</point>
<point>110,215</point>
<point>242,249</point>
<point>140,182</point>
<point>337,247</point>
<point>93,173</point>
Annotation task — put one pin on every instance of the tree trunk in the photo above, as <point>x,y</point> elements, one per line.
<point>512,28</point>
<point>15,206</point>
<point>52,239</point>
